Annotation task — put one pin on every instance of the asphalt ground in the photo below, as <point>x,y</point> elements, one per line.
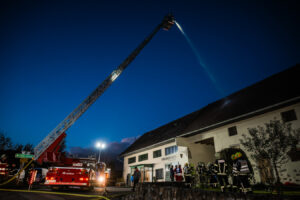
<point>109,193</point>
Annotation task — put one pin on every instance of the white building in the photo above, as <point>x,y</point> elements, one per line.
<point>196,137</point>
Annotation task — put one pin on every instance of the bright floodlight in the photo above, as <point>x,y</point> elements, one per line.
<point>100,145</point>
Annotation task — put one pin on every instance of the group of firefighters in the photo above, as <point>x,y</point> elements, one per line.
<point>217,173</point>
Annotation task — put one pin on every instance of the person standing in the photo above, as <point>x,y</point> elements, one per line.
<point>187,173</point>
<point>202,174</point>
<point>131,180</point>
<point>136,177</point>
<point>222,172</point>
<point>172,173</point>
<point>178,174</point>
<point>175,172</point>
<point>241,173</point>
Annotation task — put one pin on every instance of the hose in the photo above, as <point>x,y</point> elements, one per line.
<point>17,174</point>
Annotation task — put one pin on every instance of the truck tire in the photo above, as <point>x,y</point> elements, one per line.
<point>55,188</point>
<point>87,188</point>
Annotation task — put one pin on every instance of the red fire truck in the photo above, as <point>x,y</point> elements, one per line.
<point>3,169</point>
<point>83,173</point>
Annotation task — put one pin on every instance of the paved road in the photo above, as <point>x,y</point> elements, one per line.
<point>35,196</point>
<point>46,194</point>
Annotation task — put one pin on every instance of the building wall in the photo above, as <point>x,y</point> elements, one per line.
<point>222,140</point>
<point>180,157</point>
<point>188,151</point>
<point>201,153</point>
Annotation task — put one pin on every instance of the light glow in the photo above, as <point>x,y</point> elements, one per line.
<point>100,145</point>
<point>101,179</point>
<point>115,75</point>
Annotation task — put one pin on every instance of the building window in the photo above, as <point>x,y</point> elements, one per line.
<point>131,160</point>
<point>171,150</point>
<point>159,174</point>
<point>294,154</point>
<point>289,115</point>
<point>157,154</point>
<point>232,131</point>
<point>143,157</point>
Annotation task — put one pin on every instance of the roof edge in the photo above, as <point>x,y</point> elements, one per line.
<point>148,147</point>
<point>244,116</point>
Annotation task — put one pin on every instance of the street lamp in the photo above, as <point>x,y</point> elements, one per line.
<point>100,146</point>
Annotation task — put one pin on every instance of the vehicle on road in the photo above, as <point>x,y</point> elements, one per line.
<point>83,173</point>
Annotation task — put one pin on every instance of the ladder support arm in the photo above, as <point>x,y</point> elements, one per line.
<point>39,150</point>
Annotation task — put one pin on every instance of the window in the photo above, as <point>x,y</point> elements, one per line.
<point>232,131</point>
<point>159,174</point>
<point>294,154</point>
<point>157,154</point>
<point>171,150</point>
<point>289,115</point>
<point>131,160</point>
<point>143,157</point>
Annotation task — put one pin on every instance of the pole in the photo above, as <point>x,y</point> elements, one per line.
<point>99,155</point>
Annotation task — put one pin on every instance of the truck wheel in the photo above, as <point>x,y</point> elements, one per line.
<point>87,188</point>
<point>55,188</point>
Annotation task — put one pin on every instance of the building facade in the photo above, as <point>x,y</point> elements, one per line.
<point>198,136</point>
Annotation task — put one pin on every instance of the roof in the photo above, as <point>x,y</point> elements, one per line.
<point>273,90</point>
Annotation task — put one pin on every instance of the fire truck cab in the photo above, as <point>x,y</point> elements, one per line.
<point>81,174</point>
<point>102,174</point>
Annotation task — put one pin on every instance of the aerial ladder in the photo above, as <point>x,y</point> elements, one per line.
<point>48,148</point>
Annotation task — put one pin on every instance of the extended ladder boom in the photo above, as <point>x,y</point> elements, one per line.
<point>167,22</point>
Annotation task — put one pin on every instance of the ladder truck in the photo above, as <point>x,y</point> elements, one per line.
<point>78,172</point>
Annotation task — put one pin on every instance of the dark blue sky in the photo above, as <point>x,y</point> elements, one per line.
<point>54,53</point>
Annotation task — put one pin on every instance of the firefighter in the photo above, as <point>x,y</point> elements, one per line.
<point>172,173</point>
<point>212,175</point>
<point>193,174</point>
<point>202,173</point>
<point>187,173</point>
<point>241,173</point>
<point>221,170</point>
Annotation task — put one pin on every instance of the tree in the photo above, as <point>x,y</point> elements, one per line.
<point>272,143</point>
<point>28,147</point>
<point>19,148</point>
<point>5,142</point>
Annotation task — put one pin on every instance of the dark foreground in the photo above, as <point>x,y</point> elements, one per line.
<point>5,195</point>
<point>111,193</point>
<point>179,191</point>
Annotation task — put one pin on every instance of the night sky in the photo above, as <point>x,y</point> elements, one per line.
<point>53,54</point>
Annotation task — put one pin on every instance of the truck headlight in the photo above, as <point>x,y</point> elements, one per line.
<point>101,179</point>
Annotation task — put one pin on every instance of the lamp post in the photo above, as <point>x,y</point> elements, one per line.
<point>100,146</point>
